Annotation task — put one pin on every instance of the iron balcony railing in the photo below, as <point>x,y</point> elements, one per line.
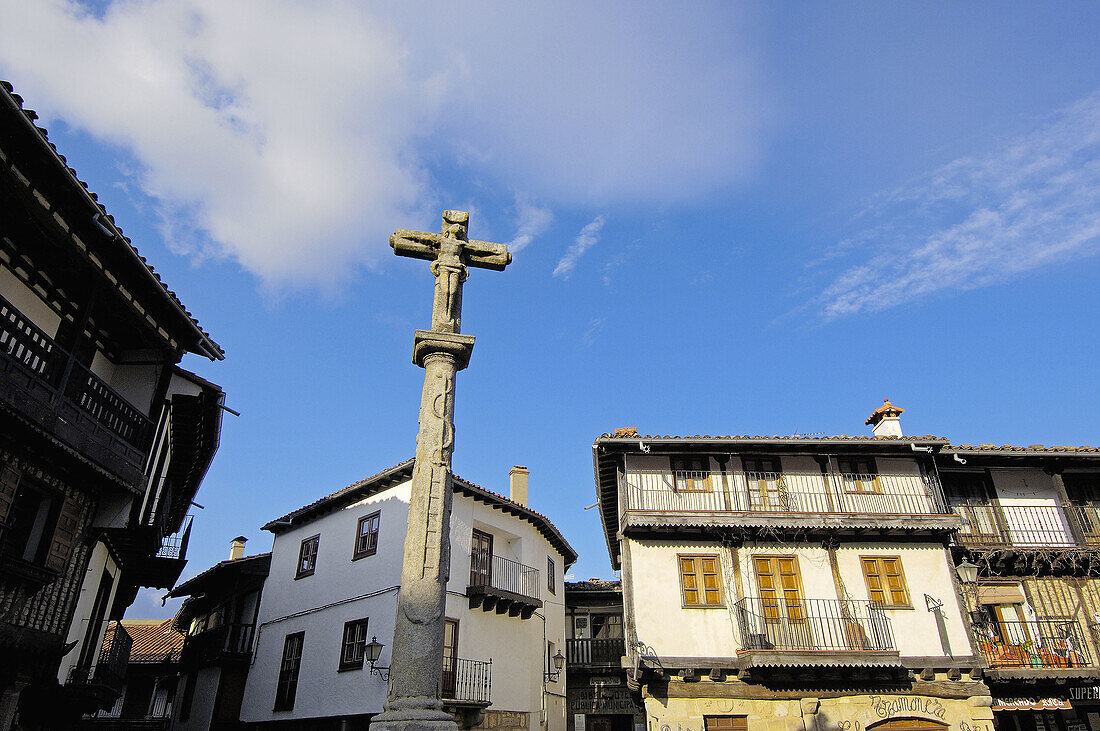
<point>467,681</point>
<point>803,625</point>
<point>110,671</point>
<point>25,346</point>
<point>1039,643</point>
<point>782,492</point>
<point>175,545</point>
<point>601,652</point>
<point>992,524</point>
<point>1087,518</point>
<point>497,572</point>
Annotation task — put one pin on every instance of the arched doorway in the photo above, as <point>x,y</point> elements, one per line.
<point>908,724</point>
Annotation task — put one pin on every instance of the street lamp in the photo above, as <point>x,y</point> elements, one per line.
<point>371,653</point>
<point>559,663</point>
<point>968,572</point>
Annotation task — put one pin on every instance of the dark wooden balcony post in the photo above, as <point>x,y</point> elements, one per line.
<point>70,348</point>
<point>1055,473</point>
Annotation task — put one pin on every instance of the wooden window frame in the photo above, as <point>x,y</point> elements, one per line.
<point>302,573</point>
<point>886,591</point>
<point>691,482</point>
<point>360,552</point>
<point>796,606</point>
<point>551,576</point>
<point>729,722</point>
<point>286,689</point>
<point>699,575</point>
<point>355,638</point>
<point>876,486</point>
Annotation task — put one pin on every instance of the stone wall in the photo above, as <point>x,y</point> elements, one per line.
<point>504,721</point>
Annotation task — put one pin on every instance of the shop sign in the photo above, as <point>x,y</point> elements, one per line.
<point>1087,693</point>
<point>1033,704</point>
<point>605,680</point>
<point>886,707</point>
<point>602,699</point>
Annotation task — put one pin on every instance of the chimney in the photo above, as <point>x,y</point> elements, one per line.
<point>517,484</point>
<point>884,420</point>
<point>236,548</point>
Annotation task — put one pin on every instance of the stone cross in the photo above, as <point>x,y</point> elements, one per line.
<point>416,659</point>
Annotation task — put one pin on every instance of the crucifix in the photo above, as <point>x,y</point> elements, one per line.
<point>416,661</point>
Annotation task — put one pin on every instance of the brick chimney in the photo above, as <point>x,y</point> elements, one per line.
<point>236,548</point>
<point>884,420</point>
<point>517,484</point>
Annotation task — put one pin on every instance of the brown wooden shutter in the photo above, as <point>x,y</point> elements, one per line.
<point>885,581</point>
<point>873,577</point>
<point>895,582</point>
<point>711,591</point>
<point>64,535</point>
<point>689,582</point>
<point>9,483</point>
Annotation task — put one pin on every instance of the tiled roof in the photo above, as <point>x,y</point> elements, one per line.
<point>154,640</point>
<point>403,471</point>
<point>768,438</point>
<point>188,587</point>
<point>8,90</point>
<point>594,585</point>
<point>1083,449</point>
<point>887,409</point>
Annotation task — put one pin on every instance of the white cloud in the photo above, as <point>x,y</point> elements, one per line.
<point>533,220</point>
<point>978,220</point>
<point>594,327</point>
<point>294,137</point>
<point>586,239</point>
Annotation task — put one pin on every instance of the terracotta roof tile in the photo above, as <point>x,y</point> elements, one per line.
<point>154,640</point>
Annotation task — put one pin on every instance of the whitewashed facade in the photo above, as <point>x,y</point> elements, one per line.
<point>501,652</point>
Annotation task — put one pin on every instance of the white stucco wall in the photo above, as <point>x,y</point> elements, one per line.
<point>713,632</point>
<point>85,602</point>
<point>202,704</point>
<point>319,606</point>
<point>1030,507</point>
<point>28,302</point>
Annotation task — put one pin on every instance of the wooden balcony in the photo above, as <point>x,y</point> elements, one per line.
<point>147,561</point>
<point>1036,649</point>
<point>498,583</point>
<point>467,682</point>
<point>67,401</point>
<point>224,643</point>
<point>595,652</point>
<point>892,503</point>
<point>98,687</point>
<point>1019,526</point>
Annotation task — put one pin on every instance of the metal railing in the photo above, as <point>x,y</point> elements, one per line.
<point>114,655</point>
<point>1040,643</point>
<point>805,625</point>
<point>26,346</point>
<point>782,492</point>
<point>505,574</point>
<point>992,524</point>
<point>470,681</point>
<point>1087,518</point>
<point>175,545</point>
<point>604,652</point>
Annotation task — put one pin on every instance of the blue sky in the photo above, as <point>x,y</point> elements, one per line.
<point>749,219</point>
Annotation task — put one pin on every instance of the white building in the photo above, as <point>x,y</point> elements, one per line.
<point>332,589</point>
<point>788,583</point>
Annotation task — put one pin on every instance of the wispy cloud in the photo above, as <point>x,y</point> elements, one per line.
<point>594,327</point>
<point>296,153</point>
<point>976,221</point>
<point>586,239</point>
<point>532,221</point>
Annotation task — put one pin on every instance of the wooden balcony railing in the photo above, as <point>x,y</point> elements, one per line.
<point>803,625</point>
<point>786,492</point>
<point>26,347</point>
<point>595,652</point>
<point>218,643</point>
<point>992,524</point>
<point>467,681</point>
<point>1041,643</point>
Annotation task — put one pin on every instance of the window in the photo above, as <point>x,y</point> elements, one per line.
<point>886,581</point>
<point>354,645</point>
<point>188,696</point>
<point>481,559</point>
<point>307,556</point>
<point>551,579</point>
<point>780,585</point>
<point>859,475</point>
<point>450,657</point>
<point>31,520</point>
<point>764,480</point>
<point>725,723</point>
<point>607,626</point>
<point>699,584</point>
<point>691,474</point>
<point>288,671</point>
<point>366,536</point>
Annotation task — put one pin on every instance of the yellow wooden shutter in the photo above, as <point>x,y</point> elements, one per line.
<point>765,579</point>
<point>895,582</point>
<point>873,576</point>
<point>689,582</point>
<point>711,587</point>
<point>791,583</point>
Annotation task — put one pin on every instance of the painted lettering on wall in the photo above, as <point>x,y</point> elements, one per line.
<point>885,707</point>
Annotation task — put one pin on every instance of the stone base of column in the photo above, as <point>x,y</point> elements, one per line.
<point>458,346</point>
<point>414,714</point>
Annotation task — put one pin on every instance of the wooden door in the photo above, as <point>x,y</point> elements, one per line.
<point>781,602</point>
<point>481,559</point>
<point>598,723</point>
<point>765,484</point>
<point>450,657</point>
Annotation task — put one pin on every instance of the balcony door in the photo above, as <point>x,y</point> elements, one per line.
<point>481,559</point>
<point>450,657</point>
<point>781,603</point>
<point>764,481</point>
<point>971,498</point>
